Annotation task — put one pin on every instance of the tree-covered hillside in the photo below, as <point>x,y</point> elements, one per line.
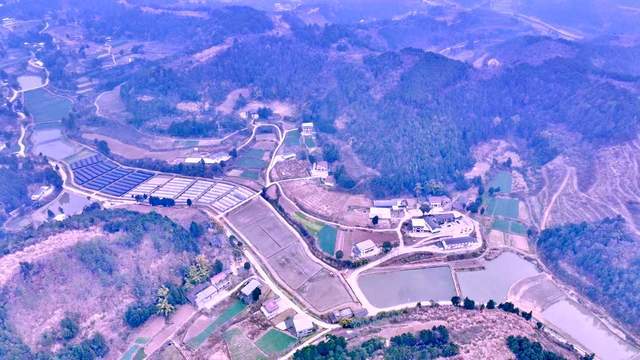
<point>601,260</point>
<point>411,114</point>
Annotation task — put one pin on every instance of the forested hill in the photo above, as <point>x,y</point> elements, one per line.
<point>411,114</point>
<point>601,260</point>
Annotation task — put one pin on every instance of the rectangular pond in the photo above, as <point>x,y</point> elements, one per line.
<point>494,282</point>
<point>396,287</point>
<point>577,322</point>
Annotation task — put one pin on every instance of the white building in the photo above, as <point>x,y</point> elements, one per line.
<point>302,326</point>
<point>458,243</point>
<point>215,158</point>
<point>307,129</point>
<point>205,296</point>
<point>418,225</point>
<point>320,169</point>
<point>440,202</point>
<point>365,249</point>
<point>247,290</point>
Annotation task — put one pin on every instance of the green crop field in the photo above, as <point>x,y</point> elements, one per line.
<point>231,312</point>
<point>518,228</point>
<point>310,142</point>
<point>251,159</point>
<point>509,226</point>
<point>312,226</point>
<point>327,239</point>
<point>503,181</point>
<point>240,347</point>
<point>501,225</point>
<point>275,342</point>
<point>46,107</point>
<point>250,174</point>
<point>505,207</point>
<point>292,138</point>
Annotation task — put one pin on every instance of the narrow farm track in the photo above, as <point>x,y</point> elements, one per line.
<point>545,216</point>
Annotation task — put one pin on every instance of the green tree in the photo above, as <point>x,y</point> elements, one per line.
<point>386,246</point>
<point>491,304</point>
<point>69,328</point>
<point>339,254</point>
<point>455,300</point>
<point>163,306</point>
<point>469,304</point>
<point>247,265</point>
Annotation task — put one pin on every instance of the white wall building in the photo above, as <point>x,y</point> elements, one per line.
<point>365,249</point>
<point>302,326</point>
<point>307,129</point>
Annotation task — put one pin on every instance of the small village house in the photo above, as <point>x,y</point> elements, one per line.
<point>307,128</point>
<point>320,169</point>
<point>365,249</point>
<point>302,326</point>
<point>246,293</point>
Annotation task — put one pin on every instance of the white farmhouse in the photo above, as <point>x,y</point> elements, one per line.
<point>307,129</point>
<point>365,249</point>
<point>302,326</point>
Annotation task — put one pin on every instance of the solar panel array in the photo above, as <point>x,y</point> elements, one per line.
<point>99,173</point>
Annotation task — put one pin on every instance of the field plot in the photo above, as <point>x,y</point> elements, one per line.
<point>251,159</point>
<point>505,207</point>
<point>46,107</point>
<point>150,186</point>
<point>174,188</point>
<point>240,347</point>
<point>502,180</point>
<point>509,226</point>
<point>285,255</point>
<point>275,342</point>
<point>347,238</point>
<point>292,138</point>
<point>232,311</point>
<point>336,206</point>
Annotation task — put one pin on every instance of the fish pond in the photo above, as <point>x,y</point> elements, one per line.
<point>398,287</point>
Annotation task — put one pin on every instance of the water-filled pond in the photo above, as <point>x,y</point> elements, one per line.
<point>29,82</point>
<point>495,280</point>
<point>576,321</point>
<point>397,287</point>
<point>57,149</point>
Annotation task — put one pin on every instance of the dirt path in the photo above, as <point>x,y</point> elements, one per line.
<point>545,216</point>
<point>9,264</point>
